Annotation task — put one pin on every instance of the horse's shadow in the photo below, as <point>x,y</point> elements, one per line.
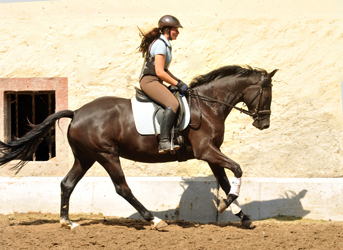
<point>195,208</point>
<point>287,207</point>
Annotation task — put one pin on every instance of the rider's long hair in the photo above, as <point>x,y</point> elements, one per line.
<point>147,39</point>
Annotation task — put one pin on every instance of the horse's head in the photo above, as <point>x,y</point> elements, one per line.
<point>258,98</point>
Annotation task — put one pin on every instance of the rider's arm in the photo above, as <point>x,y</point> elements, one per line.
<point>161,73</point>
<point>171,74</point>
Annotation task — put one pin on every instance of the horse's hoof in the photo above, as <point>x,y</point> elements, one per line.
<point>158,224</point>
<point>222,206</point>
<point>68,224</point>
<point>246,223</point>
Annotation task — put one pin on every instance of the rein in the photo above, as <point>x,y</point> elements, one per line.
<point>210,99</point>
<point>254,114</point>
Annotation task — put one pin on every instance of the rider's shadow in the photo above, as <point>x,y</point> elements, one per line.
<point>196,202</point>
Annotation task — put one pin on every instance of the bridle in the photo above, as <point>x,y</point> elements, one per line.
<point>256,113</point>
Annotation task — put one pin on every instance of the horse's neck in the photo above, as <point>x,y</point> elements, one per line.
<point>226,90</point>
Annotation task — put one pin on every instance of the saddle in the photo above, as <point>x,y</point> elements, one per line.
<point>142,97</point>
<point>148,116</point>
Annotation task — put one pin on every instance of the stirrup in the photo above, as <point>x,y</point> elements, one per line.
<point>174,147</point>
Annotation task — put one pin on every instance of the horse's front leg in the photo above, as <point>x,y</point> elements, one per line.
<point>224,183</point>
<point>215,159</point>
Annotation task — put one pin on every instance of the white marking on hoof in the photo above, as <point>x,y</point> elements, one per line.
<point>158,223</point>
<point>68,224</point>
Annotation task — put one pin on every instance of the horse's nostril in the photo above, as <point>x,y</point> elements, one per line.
<point>266,126</point>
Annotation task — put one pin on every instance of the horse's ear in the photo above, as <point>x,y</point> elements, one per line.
<point>271,74</point>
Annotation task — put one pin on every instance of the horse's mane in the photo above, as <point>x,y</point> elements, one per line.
<point>223,72</point>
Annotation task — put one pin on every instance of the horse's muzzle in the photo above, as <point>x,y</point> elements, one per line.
<point>262,122</point>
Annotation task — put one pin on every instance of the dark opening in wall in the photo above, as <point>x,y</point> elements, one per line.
<point>25,107</point>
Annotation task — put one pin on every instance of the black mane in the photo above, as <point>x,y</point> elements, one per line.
<point>223,72</point>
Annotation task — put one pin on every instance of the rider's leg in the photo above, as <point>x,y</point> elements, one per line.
<point>166,125</point>
<point>161,94</point>
<point>157,91</point>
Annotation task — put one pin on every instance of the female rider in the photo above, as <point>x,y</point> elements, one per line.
<point>156,48</point>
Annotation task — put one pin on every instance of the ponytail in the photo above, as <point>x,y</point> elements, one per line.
<point>147,39</point>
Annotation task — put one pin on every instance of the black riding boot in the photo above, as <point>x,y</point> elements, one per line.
<point>166,126</point>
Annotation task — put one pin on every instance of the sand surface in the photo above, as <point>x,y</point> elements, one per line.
<point>42,231</point>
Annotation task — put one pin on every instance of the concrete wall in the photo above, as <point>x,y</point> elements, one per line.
<point>179,198</point>
<point>93,43</point>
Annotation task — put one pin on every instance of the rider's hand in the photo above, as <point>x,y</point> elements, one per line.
<point>183,88</point>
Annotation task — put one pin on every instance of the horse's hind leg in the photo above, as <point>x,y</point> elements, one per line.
<point>80,167</point>
<point>111,163</point>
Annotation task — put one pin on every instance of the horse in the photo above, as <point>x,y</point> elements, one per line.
<point>103,130</point>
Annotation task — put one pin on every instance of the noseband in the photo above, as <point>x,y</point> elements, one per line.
<point>256,114</point>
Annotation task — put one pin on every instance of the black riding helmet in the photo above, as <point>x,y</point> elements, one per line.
<point>168,21</point>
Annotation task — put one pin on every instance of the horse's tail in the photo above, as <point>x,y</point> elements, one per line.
<point>24,148</point>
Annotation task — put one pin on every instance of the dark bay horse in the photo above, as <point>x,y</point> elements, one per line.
<point>104,130</point>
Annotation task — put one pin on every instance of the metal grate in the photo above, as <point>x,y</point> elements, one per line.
<point>30,107</point>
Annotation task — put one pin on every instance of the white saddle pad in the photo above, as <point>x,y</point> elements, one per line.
<point>144,111</point>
